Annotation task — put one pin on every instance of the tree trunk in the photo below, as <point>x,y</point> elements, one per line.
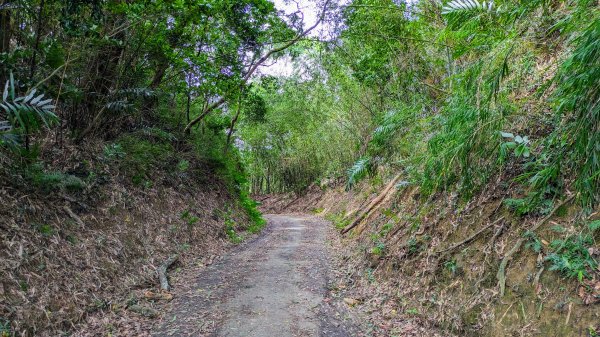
<point>38,36</point>
<point>5,36</point>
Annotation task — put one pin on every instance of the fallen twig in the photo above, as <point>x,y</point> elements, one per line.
<point>470,238</point>
<point>144,311</point>
<point>74,216</point>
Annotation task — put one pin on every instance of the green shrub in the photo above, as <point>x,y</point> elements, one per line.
<point>51,181</point>
<point>183,165</point>
<point>232,172</point>
<point>230,229</point>
<point>338,220</point>
<point>142,157</point>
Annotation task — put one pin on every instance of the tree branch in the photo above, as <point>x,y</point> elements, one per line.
<point>255,66</point>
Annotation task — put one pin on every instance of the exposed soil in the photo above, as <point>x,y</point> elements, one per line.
<point>274,285</point>
<point>74,261</point>
<point>399,267</point>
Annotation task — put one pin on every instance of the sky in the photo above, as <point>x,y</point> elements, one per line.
<point>311,11</point>
<point>307,7</point>
<point>284,66</point>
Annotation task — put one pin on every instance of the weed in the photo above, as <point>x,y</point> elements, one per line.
<point>230,231</point>
<point>318,210</point>
<point>571,256</point>
<point>370,275</point>
<point>451,266</point>
<point>23,285</point>
<point>183,165</point>
<point>5,328</point>
<point>519,145</point>
<point>71,239</point>
<point>412,311</point>
<point>379,249</point>
<point>44,229</point>
<point>533,242</point>
<point>189,218</point>
<point>413,246</point>
<point>114,151</point>
<point>338,220</point>
<point>386,229</point>
<point>51,181</point>
<point>529,205</point>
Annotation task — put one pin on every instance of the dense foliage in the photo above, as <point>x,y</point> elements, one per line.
<point>451,94</point>
<point>148,78</point>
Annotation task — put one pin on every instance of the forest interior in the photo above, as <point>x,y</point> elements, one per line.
<point>299,168</point>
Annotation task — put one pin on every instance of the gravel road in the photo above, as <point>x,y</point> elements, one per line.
<point>275,285</point>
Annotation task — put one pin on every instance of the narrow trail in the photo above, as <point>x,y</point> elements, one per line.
<point>275,285</point>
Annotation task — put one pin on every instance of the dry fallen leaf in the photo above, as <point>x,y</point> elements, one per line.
<point>158,296</point>
<point>350,301</point>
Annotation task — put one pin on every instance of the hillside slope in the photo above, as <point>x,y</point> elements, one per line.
<point>412,262</point>
<point>83,232</point>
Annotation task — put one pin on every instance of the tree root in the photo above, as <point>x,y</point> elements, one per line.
<point>162,272</point>
<point>470,238</point>
<point>501,275</point>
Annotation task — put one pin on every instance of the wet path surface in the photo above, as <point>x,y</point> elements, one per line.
<point>272,286</point>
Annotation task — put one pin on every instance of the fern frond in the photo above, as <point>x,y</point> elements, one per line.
<point>466,5</point>
<point>385,130</point>
<point>358,171</point>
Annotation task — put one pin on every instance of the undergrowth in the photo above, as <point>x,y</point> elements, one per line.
<point>338,219</point>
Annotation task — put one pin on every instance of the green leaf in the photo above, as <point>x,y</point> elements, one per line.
<point>5,93</point>
<point>12,86</point>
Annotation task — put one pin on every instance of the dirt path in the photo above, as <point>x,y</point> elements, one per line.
<point>272,286</point>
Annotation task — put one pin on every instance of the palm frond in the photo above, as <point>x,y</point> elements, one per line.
<point>467,5</point>
<point>136,92</point>
<point>27,112</point>
<point>118,106</point>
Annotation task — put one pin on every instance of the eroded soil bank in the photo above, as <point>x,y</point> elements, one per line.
<point>416,267</point>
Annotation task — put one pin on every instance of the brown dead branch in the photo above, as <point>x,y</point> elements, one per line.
<point>470,238</point>
<point>368,210</point>
<point>74,216</point>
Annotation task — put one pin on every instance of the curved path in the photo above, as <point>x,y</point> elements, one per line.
<point>274,286</point>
